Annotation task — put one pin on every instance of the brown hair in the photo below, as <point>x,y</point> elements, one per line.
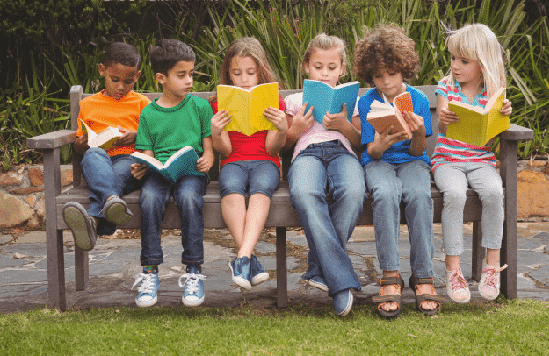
<point>387,47</point>
<point>325,42</point>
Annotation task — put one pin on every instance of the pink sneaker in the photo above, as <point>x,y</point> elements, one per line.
<point>457,287</point>
<point>489,281</point>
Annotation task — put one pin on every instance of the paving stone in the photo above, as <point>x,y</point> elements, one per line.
<point>5,239</point>
<point>541,275</point>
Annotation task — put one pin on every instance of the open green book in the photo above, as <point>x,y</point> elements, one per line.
<point>476,125</point>
<point>182,162</point>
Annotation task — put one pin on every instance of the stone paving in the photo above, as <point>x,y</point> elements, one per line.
<point>115,261</point>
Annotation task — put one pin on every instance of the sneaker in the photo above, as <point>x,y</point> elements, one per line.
<point>258,273</point>
<point>148,289</point>
<point>81,225</point>
<point>318,282</point>
<point>194,286</point>
<point>343,301</point>
<point>457,287</point>
<point>116,211</point>
<point>240,269</point>
<point>489,281</point>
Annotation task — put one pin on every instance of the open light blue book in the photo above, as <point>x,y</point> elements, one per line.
<point>181,163</point>
<point>325,98</point>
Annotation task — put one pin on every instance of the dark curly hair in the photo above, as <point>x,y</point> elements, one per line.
<point>386,47</point>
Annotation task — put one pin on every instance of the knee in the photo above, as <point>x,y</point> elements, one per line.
<point>93,154</point>
<point>455,197</point>
<point>304,197</point>
<point>187,198</point>
<point>150,201</point>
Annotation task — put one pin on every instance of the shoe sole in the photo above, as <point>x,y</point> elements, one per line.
<point>260,278</point>
<point>189,303</point>
<point>116,212</point>
<point>241,282</point>
<point>348,307</point>
<point>320,286</point>
<point>150,303</point>
<point>80,226</point>
<point>487,297</point>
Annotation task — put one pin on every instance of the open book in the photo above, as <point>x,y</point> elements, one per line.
<point>182,162</point>
<point>105,139</point>
<point>324,98</point>
<point>384,115</point>
<point>476,125</point>
<point>246,106</point>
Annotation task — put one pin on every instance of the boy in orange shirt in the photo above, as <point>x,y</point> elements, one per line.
<point>107,173</point>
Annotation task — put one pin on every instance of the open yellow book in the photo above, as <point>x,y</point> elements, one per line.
<point>476,125</point>
<point>105,139</point>
<point>246,106</point>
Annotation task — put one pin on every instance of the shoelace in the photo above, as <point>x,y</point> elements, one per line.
<point>457,280</point>
<point>492,274</point>
<point>191,282</point>
<point>148,282</point>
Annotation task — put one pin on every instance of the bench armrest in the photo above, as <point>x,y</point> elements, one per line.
<point>517,133</point>
<point>51,140</point>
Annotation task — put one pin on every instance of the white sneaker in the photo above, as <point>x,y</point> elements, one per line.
<point>489,281</point>
<point>457,287</point>
<point>147,291</point>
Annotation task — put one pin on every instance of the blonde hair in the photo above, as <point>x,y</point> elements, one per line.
<point>248,47</point>
<point>478,42</point>
<point>325,42</point>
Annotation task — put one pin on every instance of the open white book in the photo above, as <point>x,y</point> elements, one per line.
<point>105,139</point>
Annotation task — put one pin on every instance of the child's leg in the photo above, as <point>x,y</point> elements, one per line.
<point>155,194</point>
<point>233,180</point>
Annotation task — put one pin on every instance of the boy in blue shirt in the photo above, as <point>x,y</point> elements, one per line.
<point>173,121</point>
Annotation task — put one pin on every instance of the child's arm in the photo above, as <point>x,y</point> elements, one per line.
<point>445,116</point>
<point>205,162</point>
<point>415,122</point>
<point>298,125</point>
<point>383,141</point>
<point>276,139</point>
<point>138,170</point>
<point>127,139</point>
<point>220,138</point>
<point>339,122</point>
<point>81,144</point>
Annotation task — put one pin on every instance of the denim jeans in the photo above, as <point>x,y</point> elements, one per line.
<point>259,176</point>
<point>324,168</point>
<point>393,184</point>
<point>107,176</point>
<point>452,180</point>
<point>188,193</point>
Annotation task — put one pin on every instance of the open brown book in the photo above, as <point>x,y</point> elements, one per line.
<point>382,116</point>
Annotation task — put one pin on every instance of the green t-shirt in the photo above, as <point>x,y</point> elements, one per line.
<point>165,130</point>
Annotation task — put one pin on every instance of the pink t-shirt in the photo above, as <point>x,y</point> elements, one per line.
<point>317,133</point>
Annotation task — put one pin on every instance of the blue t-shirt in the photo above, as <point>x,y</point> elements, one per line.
<point>400,151</point>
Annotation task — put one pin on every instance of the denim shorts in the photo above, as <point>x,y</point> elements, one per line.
<point>257,176</point>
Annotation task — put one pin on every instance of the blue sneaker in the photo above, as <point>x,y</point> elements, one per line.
<point>194,286</point>
<point>318,282</point>
<point>148,289</point>
<point>343,301</point>
<point>258,273</point>
<point>240,269</point>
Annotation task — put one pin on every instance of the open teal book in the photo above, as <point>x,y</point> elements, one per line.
<point>325,98</point>
<point>181,163</point>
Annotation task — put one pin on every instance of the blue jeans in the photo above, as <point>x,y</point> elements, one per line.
<point>259,176</point>
<point>324,168</point>
<point>188,193</point>
<point>107,176</point>
<point>390,185</point>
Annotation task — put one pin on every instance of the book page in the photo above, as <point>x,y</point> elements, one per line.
<point>106,138</point>
<point>146,159</point>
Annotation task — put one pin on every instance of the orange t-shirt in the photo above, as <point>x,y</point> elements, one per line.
<point>100,111</point>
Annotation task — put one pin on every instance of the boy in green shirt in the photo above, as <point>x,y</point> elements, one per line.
<point>173,121</point>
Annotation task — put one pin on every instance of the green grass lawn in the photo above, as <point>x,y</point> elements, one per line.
<point>505,328</point>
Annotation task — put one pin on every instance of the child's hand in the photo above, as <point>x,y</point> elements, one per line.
<point>506,109</point>
<point>138,170</point>
<point>447,117</point>
<point>388,138</point>
<point>219,121</point>
<point>81,144</point>
<point>335,122</point>
<point>205,162</point>
<point>303,121</point>
<point>128,138</point>
<point>278,118</point>
<point>415,122</point>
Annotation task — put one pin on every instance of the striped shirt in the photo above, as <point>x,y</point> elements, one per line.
<point>449,150</point>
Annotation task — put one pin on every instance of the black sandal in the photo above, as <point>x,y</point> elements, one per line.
<point>390,298</point>
<point>414,283</point>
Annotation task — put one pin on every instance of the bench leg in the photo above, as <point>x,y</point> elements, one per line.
<point>281,272</point>
<point>81,268</point>
<point>478,251</point>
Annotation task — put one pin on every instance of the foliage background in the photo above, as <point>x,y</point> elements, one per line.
<point>54,44</point>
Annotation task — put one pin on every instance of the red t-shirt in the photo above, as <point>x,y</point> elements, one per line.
<point>250,148</point>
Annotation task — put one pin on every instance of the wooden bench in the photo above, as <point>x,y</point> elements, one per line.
<point>282,214</point>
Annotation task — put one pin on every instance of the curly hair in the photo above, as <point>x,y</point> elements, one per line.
<point>386,47</point>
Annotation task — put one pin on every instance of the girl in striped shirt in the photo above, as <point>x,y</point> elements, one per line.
<point>476,73</point>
